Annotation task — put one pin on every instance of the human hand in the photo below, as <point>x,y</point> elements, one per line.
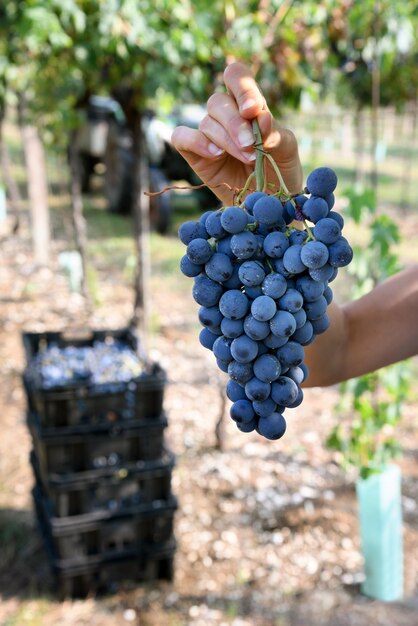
<point>222,149</point>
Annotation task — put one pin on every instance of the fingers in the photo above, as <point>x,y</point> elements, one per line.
<point>243,88</point>
<point>194,142</point>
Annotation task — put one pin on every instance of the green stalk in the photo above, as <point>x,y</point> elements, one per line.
<point>259,158</point>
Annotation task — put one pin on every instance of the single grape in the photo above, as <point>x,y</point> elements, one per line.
<point>244,349</point>
<point>272,427</point>
<point>190,269</point>
<point>255,329</point>
<point>244,245</point>
<point>199,251</point>
<point>206,291</point>
<point>234,391</point>
<point>191,230</point>
<point>321,182</point>
<point>314,254</point>
<point>316,309</point>
<point>268,210</point>
<point>240,372</point>
<point>257,389</point>
<point>242,411</point>
<point>251,199</point>
<point>207,338</point>
<point>263,308</point>
<point>309,288</point>
<point>321,324</point>
<point>315,209</point>
<point>290,355</point>
<point>291,301</point>
<point>283,324</point>
<point>234,220</point>
<point>211,317</point>
<point>264,408</point>
<point>284,391</point>
<point>303,334</point>
<point>222,349</point>
<point>267,368</point>
<point>251,273</point>
<point>219,267</point>
<point>292,259</point>
<point>340,253</point>
<point>327,230</point>
<point>274,285</point>
<point>234,304</point>
<point>275,244</point>
<point>214,226</point>
<point>232,328</point>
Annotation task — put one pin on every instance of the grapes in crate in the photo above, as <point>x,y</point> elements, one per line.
<point>261,273</point>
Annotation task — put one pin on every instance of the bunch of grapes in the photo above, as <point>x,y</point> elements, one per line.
<point>261,272</point>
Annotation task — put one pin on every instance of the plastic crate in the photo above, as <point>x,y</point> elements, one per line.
<point>118,446</point>
<point>101,492</point>
<point>98,577</point>
<point>73,540</point>
<point>83,403</point>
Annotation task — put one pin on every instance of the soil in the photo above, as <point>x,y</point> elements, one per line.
<point>267,532</point>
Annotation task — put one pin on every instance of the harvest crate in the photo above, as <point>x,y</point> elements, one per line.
<point>82,402</point>
<point>101,492</point>
<point>73,540</point>
<point>73,451</point>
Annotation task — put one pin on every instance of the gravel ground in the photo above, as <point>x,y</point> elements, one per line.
<point>267,531</point>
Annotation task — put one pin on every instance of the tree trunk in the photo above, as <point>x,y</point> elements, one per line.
<point>375,99</point>
<point>140,208</point>
<point>79,222</point>
<point>37,186</point>
<point>15,200</point>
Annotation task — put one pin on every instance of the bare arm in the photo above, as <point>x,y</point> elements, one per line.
<point>378,329</point>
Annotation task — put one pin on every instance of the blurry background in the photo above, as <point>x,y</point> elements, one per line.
<point>90,91</point>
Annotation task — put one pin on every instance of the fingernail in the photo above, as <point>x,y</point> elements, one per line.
<point>215,150</point>
<point>245,138</point>
<point>247,104</point>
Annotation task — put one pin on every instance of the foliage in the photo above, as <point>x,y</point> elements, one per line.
<point>370,406</point>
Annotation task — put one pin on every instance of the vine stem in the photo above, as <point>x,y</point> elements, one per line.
<point>247,184</point>
<point>259,156</point>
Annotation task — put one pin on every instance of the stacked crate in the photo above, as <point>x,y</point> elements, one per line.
<point>102,472</point>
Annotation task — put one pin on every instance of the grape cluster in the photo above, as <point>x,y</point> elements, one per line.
<point>261,275</point>
<point>100,364</point>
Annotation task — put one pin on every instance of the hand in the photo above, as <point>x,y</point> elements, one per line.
<point>222,149</point>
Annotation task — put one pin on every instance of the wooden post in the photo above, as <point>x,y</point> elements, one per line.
<point>37,186</point>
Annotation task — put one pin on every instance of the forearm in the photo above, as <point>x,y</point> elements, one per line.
<point>374,331</point>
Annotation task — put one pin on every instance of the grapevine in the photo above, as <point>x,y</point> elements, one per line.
<point>261,272</point>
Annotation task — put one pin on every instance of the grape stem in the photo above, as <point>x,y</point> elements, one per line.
<point>259,156</point>
<point>245,189</point>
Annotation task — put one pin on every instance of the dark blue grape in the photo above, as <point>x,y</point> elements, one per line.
<point>315,209</point>
<point>240,372</point>
<point>340,253</point>
<point>219,267</point>
<point>234,304</point>
<point>288,212</point>
<point>275,341</point>
<point>292,259</point>
<point>316,309</point>
<point>265,408</point>
<point>190,269</point>
<point>298,400</point>
<point>251,273</point>
<point>232,328</point>
<point>214,226</point>
<point>267,368</point>
<point>222,348</point>
<point>191,230</point>
<point>251,199</point>
<point>207,338</point>
<point>234,391</point>
<point>321,182</point>
<point>224,247</point>
<point>206,291</point>
<point>199,251</point>
<point>284,391</point>
<point>253,292</point>
<point>300,318</point>
<point>321,324</point>
<point>337,217</point>
<point>263,308</point>
<point>274,285</point>
<point>314,254</point>
<point>234,220</point>
<point>244,245</point>
<point>283,324</point>
<point>244,349</point>
<point>303,334</point>
<point>309,288</point>
<point>272,427</point>
<point>257,390</point>
<point>328,295</point>
<point>211,317</point>
<point>242,411</point>
<point>290,355</point>
<point>234,282</point>
<point>298,237</point>
<point>322,274</point>
<point>248,427</point>
<point>255,329</point>
<point>268,210</point>
<point>327,230</point>
<point>223,365</point>
<point>291,301</point>
<point>276,244</point>
<point>296,374</point>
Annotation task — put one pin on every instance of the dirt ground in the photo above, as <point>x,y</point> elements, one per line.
<point>267,531</point>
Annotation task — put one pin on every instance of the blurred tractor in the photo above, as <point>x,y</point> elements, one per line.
<point>104,139</point>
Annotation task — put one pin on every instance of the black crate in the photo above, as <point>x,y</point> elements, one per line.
<point>119,446</point>
<point>83,403</point>
<point>75,540</point>
<point>99,577</point>
<point>104,492</point>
